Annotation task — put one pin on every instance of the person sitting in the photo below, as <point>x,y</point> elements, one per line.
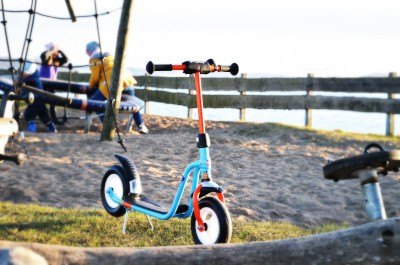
<point>30,77</point>
<point>101,78</point>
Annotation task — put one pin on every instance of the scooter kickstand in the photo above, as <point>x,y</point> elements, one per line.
<point>125,221</point>
<point>151,224</point>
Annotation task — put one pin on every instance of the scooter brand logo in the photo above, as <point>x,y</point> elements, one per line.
<point>183,178</point>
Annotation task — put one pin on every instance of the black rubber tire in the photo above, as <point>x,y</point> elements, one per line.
<point>115,175</point>
<point>216,219</point>
<point>344,168</point>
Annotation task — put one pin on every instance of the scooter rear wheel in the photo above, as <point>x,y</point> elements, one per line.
<point>115,179</point>
<point>217,222</point>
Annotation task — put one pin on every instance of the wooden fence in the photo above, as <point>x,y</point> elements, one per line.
<point>307,102</point>
<point>244,99</point>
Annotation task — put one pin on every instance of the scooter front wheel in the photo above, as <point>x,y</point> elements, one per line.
<point>115,179</point>
<point>217,222</point>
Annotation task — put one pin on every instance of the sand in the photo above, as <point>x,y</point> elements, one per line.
<point>269,172</point>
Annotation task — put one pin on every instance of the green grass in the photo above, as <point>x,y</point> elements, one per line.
<point>96,228</point>
<point>262,129</point>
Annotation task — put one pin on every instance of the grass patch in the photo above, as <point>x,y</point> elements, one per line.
<point>96,228</point>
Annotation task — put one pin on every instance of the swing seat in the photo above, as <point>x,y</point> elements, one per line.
<point>347,168</point>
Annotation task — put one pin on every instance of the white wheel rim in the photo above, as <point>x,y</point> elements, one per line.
<point>113,181</point>
<point>210,218</point>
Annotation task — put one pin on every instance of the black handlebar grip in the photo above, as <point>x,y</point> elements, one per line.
<point>29,98</point>
<point>17,159</point>
<point>150,67</point>
<point>233,68</point>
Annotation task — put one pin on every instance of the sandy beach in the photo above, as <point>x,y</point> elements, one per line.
<point>269,172</point>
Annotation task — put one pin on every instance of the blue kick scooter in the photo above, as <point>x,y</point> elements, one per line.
<point>121,189</point>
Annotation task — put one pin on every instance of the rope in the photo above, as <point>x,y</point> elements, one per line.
<point>32,12</point>
<point>28,38</point>
<point>12,70</point>
<point>4,22</point>
<point>24,54</point>
<point>61,66</point>
<point>60,18</point>
<point>111,101</point>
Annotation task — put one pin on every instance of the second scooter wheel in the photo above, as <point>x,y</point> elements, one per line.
<point>217,222</point>
<point>115,179</point>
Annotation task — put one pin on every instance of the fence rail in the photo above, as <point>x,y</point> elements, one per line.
<point>372,85</point>
<point>246,86</point>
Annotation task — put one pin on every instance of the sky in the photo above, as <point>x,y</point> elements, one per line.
<point>281,38</point>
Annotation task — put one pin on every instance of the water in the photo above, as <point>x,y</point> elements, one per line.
<point>347,121</point>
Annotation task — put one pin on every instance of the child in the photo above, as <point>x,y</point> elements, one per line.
<point>30,77</point>
<point>102,81</point>
<point>52,58</point>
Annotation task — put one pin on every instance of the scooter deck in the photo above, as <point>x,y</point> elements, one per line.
<point>147,203</point>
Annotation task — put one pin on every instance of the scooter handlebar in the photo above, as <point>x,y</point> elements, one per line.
<point>193,67</point>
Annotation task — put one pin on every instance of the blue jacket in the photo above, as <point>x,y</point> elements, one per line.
<point>33,80</point>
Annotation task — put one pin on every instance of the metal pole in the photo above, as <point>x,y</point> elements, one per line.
<point>147,103</point>
<point>373,200</point>
<point>308,118</point>
<point>390,116</point>
<point>243,94</point>
<point>191,92</point>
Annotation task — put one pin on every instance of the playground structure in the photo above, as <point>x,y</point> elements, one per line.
<point>9,120</point>
<point>127,106</point>
<point>8,124</point>
<point>110,122</point>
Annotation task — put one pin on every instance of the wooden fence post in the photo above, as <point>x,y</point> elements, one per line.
<point>390,116</point>
<point>243,93</point>
<point>88,121</point>
<point>310,85</point>
<point>192,91</point>
<point>146,102</point>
